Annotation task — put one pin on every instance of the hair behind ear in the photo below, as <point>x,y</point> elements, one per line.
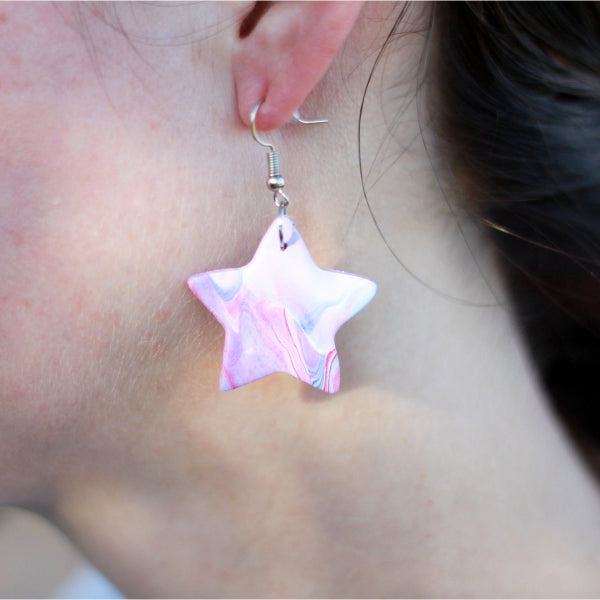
<point>518,108</point>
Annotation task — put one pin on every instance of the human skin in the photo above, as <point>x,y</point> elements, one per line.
<point>437,470</point>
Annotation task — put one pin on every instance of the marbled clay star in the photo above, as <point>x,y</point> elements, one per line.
<point>281,312</point>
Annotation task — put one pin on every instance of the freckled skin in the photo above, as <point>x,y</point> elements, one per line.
<point>91,205</point>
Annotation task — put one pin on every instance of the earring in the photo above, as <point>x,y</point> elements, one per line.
<point>281,311</point>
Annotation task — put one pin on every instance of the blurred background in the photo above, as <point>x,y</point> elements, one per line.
<point>38,561</point>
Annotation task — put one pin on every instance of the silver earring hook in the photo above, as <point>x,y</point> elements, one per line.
<point>296,116</point>
<point>275,181</point>
<point>253,127</point>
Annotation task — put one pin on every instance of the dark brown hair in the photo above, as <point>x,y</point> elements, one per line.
<point>517,114</point>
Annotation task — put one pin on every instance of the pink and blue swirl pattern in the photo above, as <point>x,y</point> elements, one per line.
<point>281,312</point>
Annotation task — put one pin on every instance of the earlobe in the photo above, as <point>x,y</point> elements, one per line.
<point>287,51</point>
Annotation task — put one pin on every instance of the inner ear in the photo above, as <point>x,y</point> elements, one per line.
<point>253,17</point>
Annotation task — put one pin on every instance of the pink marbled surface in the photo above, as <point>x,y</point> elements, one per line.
<point>281,312</point>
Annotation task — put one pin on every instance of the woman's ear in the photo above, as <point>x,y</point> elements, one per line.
<point>283,51</point>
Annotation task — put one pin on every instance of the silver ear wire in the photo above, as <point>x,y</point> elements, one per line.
<point>253,127</point>
<point>275,180</point>
<point>298,118</point>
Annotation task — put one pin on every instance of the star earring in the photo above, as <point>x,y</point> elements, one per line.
<point>281,311</point>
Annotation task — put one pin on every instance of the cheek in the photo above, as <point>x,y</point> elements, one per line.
<point>96,238</point>
<point>95,251</point>
<point>84,251</point>
<point>51,313</point>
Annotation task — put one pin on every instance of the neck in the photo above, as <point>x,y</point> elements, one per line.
<point>365,493</point>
